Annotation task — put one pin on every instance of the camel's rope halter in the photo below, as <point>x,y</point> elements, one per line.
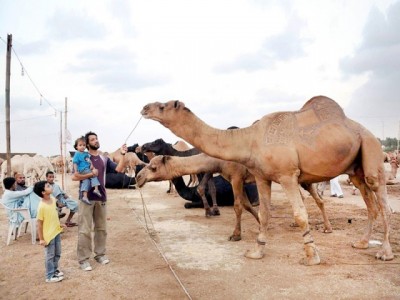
<point>133,129</point>
<point>151,231</point>
<point>152,234</point>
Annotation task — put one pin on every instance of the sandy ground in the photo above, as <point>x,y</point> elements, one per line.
<point>160,250</point>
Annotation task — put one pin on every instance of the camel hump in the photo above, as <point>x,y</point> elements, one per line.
<point>325,108</point>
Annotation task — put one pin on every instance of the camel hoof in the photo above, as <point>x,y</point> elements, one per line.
<point>315,260</point>
<point>209,213</point>
<point>328,230</point>
<point>257,254</point>
<point>234,238</point>
<point>216,212</point>
<point>312,256</point>
<point>360,245</point>
<point>382,255</point>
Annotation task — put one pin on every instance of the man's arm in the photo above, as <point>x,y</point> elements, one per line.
<point>120,168</point>
<point>14,195</point>
<point>78,177</point>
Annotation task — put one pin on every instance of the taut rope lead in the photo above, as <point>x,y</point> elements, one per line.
<point>133,129</point>
<point>152,233</point>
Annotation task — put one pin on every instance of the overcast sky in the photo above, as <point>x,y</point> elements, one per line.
<point>230,62</point>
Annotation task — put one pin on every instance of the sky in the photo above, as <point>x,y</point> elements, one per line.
<point>96,64</point>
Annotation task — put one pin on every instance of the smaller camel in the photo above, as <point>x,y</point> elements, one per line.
<point>168,167</point>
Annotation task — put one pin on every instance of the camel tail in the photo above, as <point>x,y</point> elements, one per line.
<point>371,153</point>
<point>374,170</point>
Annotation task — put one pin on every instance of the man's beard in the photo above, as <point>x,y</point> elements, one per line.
<point>94,147</point>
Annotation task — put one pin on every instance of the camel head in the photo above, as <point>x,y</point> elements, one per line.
<point>165,113</point>
<point>155,171</point>
<point>155,146</point>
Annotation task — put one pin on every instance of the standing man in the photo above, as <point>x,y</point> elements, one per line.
<point>336,190</point>
<point>97,212</point>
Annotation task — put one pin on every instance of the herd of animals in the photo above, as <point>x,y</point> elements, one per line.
<point>295,149</point>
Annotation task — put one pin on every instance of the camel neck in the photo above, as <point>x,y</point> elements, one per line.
<point>223,144</point>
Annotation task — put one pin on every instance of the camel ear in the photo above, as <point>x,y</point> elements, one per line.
<point>165,158</point>
<point>179,104</point>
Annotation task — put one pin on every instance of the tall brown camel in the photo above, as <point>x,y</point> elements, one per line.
<point>314,144</point>
<point>165,167</point>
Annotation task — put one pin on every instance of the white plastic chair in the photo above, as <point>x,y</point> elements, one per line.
<point>14,229</point>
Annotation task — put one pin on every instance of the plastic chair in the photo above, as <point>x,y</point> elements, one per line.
<point>15,229</point>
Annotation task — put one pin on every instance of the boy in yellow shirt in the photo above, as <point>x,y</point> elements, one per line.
<point>49,230</point>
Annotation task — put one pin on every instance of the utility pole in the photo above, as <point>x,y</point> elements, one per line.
<point>65,145</point>
<point>8,75</point>
<point>398,139</point>
<point>61,149</point>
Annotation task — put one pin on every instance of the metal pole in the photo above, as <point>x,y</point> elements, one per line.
<point>8,75</point>
<point>65,144</point>
<point>61,148</point>
<point>398,139</point>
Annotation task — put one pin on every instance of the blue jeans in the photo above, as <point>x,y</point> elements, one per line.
<point>88,183</point>
<point>52,255</point>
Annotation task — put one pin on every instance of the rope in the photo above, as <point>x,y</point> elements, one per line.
<point>133,129</point>
<point>152,234</point>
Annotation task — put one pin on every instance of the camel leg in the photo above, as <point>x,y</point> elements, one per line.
<point>368,196</point>
<point>213,193</point>
<point>201,189</point>
<point>291,187</point>
<point>374,171</point>
<point>373,207</point>
<point>241,201</point>
<point>170,188</point>
<point>193,180</point>
<point>312,189</point>
<point>264,215</point>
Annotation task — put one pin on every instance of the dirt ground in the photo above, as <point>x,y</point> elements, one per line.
<point>188,256</point>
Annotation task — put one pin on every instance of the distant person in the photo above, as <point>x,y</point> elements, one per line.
<point>95,214</point>
<point>16,199</point>
<point>63,200</point>
<point>336,190</point>
<point>49,230</point>
<point>21,184</point>
<point>83,165</point>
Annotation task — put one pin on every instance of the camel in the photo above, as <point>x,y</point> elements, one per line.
<point>59,162</point>
<point>223,191</point>
<point>159,147</point>
<point>314,144</point>
<point>168,167</point>
<point>131,158</point>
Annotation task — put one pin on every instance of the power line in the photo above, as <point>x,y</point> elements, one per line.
<point>24,71</point>
<point>20,120</point>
